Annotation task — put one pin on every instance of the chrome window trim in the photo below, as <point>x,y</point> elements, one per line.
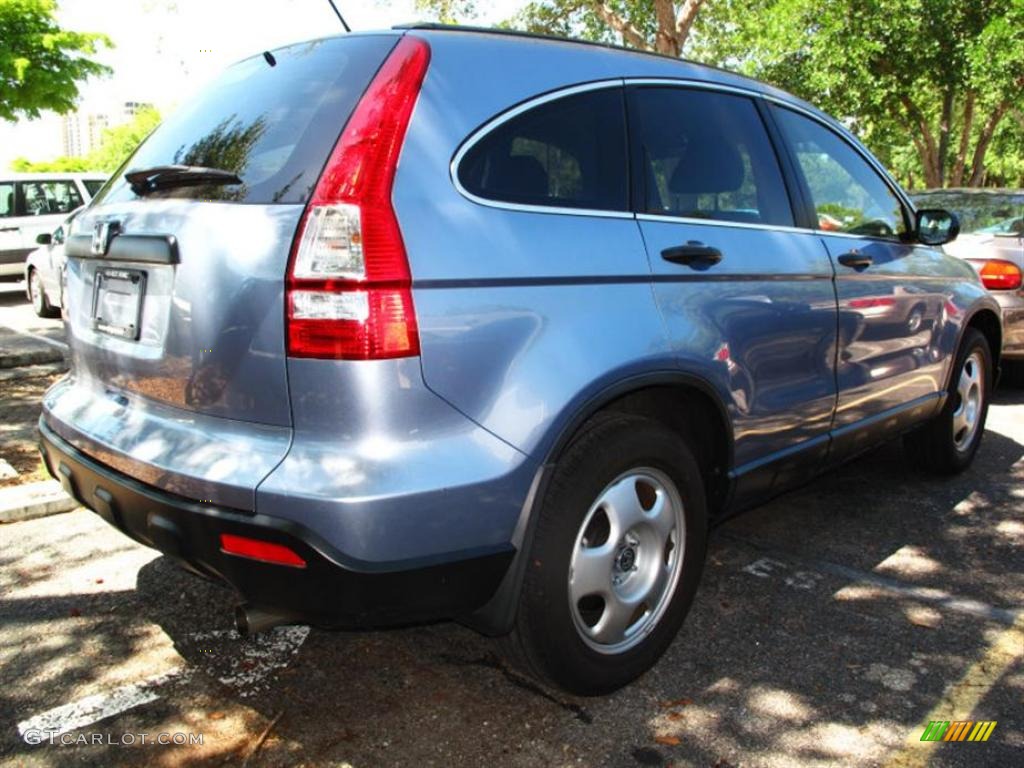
<point>707,85</point>
<point>477,135</point>
<point>670,219</point>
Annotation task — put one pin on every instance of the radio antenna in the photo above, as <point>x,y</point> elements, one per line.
<point>340,17</point>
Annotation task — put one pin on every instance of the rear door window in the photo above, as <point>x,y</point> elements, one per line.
<point>46,198</point>
<point>566,153</point>
<point>271,119</point>
<point>704,155</point>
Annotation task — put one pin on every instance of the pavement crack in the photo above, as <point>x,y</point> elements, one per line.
<point>520,681</point>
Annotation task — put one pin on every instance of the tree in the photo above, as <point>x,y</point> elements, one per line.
<point>650,25</point>
<point>929,85</point>
<point>115,145</point>
<point>58,165</point>
<point>42,65</point>
<point>940,76</point>
<point>121,140</point>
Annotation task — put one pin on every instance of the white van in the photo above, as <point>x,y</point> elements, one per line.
<point>32,204</point>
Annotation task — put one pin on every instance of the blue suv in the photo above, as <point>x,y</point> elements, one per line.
<point>440,323</point>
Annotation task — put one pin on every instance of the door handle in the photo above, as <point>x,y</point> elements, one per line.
<point>856,260</point>
<point>10,229</point>
<point>693,254</point>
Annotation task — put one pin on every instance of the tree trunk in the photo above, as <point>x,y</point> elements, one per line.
<point>945,121</point>
<point>665,38</point>
<point>631,36</point>
<point>925,144</point>
<point>684,22</point>
<point>978,165</point>
<point>957,179</point>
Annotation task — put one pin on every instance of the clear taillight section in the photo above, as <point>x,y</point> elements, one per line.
<point>349,287</point>
<point>331,245</point>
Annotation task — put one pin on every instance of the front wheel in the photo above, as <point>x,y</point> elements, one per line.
<point>946,445</point>
<point>616,557</point>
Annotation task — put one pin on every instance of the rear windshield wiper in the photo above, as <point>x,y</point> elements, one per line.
<point>147,180</point>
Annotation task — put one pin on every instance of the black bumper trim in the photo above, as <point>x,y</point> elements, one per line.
<point>331,590</point>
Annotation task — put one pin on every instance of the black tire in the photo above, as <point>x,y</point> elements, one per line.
<point>545,639</point>
<point>40,304</point>
<point>933,447</point>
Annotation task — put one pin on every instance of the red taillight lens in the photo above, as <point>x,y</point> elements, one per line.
<point>999,275</point>
<point>349,287</point>
<point>264,551</point>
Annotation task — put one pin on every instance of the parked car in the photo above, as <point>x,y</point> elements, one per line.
<point>992,239</point>
<point>486,355</point>
<point>32,204</point>
<point>44,271</point>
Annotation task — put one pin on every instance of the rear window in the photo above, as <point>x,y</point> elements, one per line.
<point>981,211</point>
<point>271,119</point>
<point>45,198</point>
<point>568,153</point>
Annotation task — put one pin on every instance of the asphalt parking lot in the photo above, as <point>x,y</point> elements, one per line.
<point>831,626</point>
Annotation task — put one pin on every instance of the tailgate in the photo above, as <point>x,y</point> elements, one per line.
<point>186,306</point>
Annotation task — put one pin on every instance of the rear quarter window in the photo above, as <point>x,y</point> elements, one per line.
<point>565,153</point>
<point>271,119</point>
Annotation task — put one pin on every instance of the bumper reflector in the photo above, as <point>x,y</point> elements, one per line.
<point>264,551</point>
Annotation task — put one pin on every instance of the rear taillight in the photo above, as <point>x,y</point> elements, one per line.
<point>349,287</point>
<point>998,275</point>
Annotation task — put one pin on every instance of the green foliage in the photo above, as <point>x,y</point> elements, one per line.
<point>59,165</point>
<point>933,87</point>
<point>449,11</point>
<point>121,140</point>
<point>926,83</point>
<point>42,65</point>
<point>115,146</point>
<point>573,18</point>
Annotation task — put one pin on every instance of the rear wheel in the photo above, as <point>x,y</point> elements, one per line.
<point>40,304</point>
<point>947,443</point>
<point>616,557</point>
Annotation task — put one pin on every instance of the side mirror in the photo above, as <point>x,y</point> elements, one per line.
<point>44,239</point>
<point>936,226</point>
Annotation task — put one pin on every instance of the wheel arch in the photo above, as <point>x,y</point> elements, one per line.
<point>988,322</point>
<point>685,402</point>
<point>985,317</point>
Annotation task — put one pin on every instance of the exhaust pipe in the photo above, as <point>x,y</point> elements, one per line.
<point>250,620</point>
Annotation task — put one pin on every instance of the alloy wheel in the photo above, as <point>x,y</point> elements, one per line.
<point>626,560</point>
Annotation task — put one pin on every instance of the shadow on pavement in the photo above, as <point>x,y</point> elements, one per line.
<point>800,667</point>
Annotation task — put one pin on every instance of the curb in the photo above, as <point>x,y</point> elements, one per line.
<point>9,359</point>
<point>32,371</point>
<point>32,500</point>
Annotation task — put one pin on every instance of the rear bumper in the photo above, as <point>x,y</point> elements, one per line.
<point>329,590</point>
<point>1012,304</point>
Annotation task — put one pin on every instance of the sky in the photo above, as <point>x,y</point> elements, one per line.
<point>166,49</point>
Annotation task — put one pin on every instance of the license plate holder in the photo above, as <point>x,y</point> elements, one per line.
<point>117,302</point>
